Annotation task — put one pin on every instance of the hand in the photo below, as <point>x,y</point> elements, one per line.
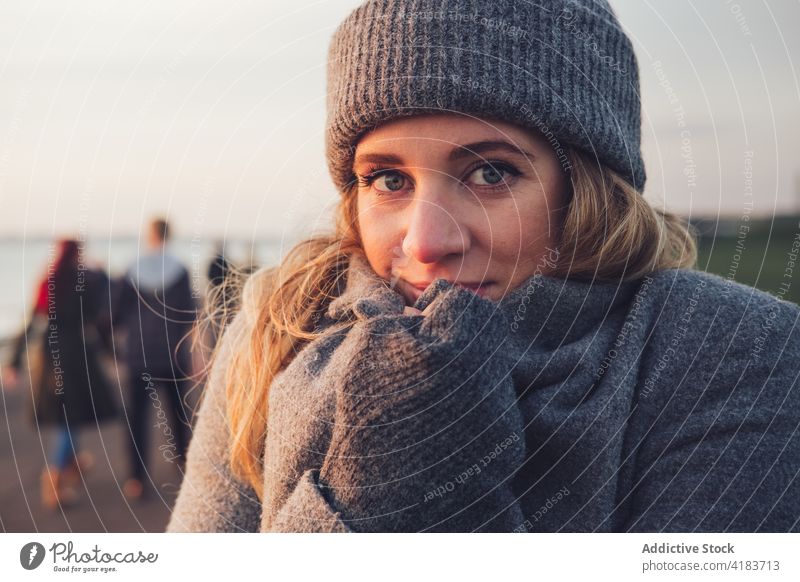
<point>417,405</point>
<point>414,311</point>
<point>411,294</point>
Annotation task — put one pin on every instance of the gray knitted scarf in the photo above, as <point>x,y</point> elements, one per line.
<point>665,404</point>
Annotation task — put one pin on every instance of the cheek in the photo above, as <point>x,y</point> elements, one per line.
<point>520,228</point>
<point>540,228</point>
<point>380,238</point>
<point>542,215</point>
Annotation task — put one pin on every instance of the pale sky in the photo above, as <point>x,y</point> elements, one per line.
<point>212,112</point>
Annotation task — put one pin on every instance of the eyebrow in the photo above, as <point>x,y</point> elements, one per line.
<point>476,149</point>
<point>481,147</point>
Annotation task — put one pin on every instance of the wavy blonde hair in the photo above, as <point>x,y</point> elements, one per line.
<point>609,232</point>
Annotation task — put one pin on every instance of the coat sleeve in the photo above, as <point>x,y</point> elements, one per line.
<point>427,435</point>
<point>21,342</point>
<point>37,313</point>
<point>307,510</point>
<point>211,498</point>
<point>123,304</point>
<point>724,455</point>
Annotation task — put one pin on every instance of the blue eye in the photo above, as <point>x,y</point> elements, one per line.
<point>383,180</point>
<point>491,174</point>
<point>390,181</point>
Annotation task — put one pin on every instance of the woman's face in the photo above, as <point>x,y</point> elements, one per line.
<point>471,201</point>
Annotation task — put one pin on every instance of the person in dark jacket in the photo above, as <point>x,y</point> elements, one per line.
<point>68,386</point>
<point>155,312</point>
<point>220,298</point>
<point>219,267</point>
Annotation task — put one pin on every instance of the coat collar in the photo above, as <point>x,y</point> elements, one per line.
<point>553,312</point>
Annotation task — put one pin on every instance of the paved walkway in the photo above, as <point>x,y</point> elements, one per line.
<point>102,507</point>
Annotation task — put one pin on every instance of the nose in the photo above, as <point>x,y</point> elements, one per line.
<point>433,228</point>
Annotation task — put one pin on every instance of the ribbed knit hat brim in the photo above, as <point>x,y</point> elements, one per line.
<point>564,68</point>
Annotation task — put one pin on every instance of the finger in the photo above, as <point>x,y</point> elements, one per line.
<point>411,311</point>
<point>431,306</point>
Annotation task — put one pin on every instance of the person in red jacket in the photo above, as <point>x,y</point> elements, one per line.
<point>64,339</point>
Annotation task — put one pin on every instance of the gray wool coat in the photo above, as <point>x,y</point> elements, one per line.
<point>665,404</point>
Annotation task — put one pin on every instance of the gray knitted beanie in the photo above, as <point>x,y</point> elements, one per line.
<point>562,67</point>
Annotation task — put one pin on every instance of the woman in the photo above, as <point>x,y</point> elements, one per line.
<point>501,334</point>
<point>68,386</point>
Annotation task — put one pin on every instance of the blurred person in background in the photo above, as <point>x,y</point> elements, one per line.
<point>221,273</point>
<point>219,267</point>
<point>154,310</point>
<point>64,338</point>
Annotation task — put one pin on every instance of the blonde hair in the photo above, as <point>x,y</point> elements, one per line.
<point>609,232</point>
